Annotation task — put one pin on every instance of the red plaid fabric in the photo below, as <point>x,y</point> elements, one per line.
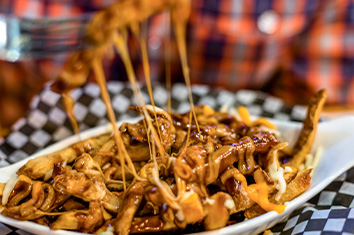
<point>285,47</point>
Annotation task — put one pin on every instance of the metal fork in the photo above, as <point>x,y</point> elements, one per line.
<point>22,39</point>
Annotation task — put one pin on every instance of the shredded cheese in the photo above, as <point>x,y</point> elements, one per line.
<point>229,204</point>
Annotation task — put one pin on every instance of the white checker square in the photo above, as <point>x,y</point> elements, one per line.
<point>342,177</point>
<point>200,89</point>
<point>335,207</point>
<point>37,119</point>
<point>312,233</point>
<point>183,107</point>
<point>76,93</point>
<point>246,97</point>
<point>40,138</point>
<point>57,116</point>
<point>335,225</point>
<point>146,99</point>
<point>19,123</point>
<point>115,87</point>
<point>124,117</point>
<point>61,133</point>
<point>300,228</point>
<point>83,127</point>
<point>281,116</point>
<point>18,155</point>
<point>34,102</point>
<point>347,188</point>
<point>207,100</point>
<point>4,229</point>
<point>3,163</point>
<point>98,108</point>
<point>226,98</point>
<point>179,92</point>
<point>254,110</point>
<point>298,112</point>
<point>2,155</point>
<point>120,103</point>
<point>160,96</point>
<point>272,104</point>
<point>80,111</point>
<point>291,223</point>
<point>326,198</point>
<point>102,121</point>
<point>320,214</point>
<point>352,206</point>
<point>49,97</point>
<point>92,90</point>
<point>17,139</point>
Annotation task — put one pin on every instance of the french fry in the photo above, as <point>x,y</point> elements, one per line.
<point>307,135</point>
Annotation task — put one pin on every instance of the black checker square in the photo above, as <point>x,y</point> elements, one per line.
<point>267,114</point>
<point>91,120</point>
<point>45,108</point>
<point>27,129</point>
<point>334,186</point>
<point>127,92</point>
<point>258,101</point>
<point>286,109</point>
<point>7,148</point>
<point>349,226</point>
<point>315,224</point>
<point>30,148</point>
<point>305,216</point>
<point>342,200</point>
<point>341,213</point>
<point>50,127</point>
<point>196,98</point>
<point>85,99</point>
<point>350,175</point>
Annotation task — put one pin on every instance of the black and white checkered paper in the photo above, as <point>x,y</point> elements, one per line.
<point>329,212</point>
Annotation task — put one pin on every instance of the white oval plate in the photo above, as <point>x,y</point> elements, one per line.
<point>336,137</point>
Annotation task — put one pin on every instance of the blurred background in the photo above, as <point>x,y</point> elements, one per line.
<point>287,48</point>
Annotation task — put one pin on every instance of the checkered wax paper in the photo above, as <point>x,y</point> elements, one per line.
<point>329,212</point>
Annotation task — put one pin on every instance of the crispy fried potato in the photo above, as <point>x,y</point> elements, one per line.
<point>36,168</point>
<point>307,135</point>
<point>296,187</point>
<point>2,186</point>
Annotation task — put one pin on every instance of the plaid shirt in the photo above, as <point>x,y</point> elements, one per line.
<point>285,47</point>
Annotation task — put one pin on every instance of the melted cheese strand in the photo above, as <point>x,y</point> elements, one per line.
<point>180,30</point>
<point>120,43</point>
<point>167,57</point>
<point>168,194</point>
<point>146,68</point>
<point>69,103</point>
<point>101,81</point>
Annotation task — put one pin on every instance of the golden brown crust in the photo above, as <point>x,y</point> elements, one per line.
<point>36,168</point>
<point>307,135</point>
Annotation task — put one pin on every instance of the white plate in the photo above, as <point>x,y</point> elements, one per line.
<point>336,137</point>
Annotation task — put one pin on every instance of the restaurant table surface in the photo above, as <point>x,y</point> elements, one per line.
<point>329,212</point>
